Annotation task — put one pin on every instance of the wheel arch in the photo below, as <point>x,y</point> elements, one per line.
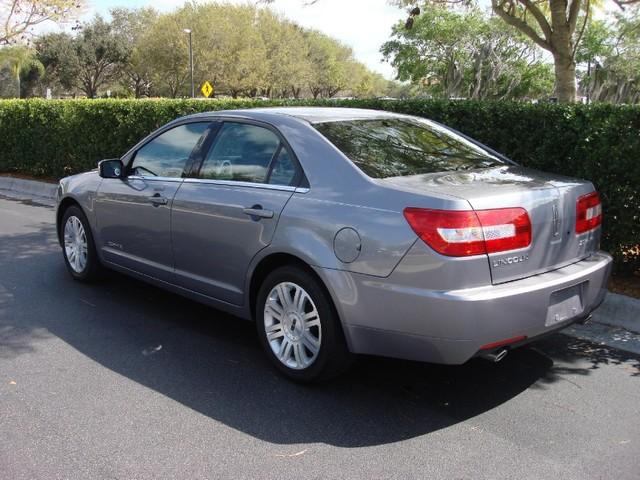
<point>275,260</point>
<point>268,264</point>
<point>64,204</point>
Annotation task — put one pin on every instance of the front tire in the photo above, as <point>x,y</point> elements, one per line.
<point>78,246</point>
<point>299,328</point>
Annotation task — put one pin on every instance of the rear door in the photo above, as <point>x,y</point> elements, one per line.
<point>228,212</point>
<point>134,214</point>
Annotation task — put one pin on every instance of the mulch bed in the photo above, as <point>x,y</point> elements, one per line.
<point>626,285</point>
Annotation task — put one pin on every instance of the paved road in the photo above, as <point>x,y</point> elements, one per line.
<point>122,380</point>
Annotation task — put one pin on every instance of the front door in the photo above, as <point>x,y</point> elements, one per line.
<point>226,215</point>
<point>134,214</point>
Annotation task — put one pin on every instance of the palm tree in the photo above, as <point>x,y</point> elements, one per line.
<point>15,57</point>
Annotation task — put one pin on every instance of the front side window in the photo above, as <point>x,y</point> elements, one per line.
<point>240,152</point>
<point>396,147</point>
<point>167,154</point>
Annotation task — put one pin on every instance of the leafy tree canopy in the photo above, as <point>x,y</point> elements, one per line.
<point>19,17</point>
<point>467,54</point>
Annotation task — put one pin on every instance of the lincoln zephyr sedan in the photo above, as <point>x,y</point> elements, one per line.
<point>343,231</point>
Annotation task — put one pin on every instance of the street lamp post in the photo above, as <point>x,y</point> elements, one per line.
<point>193,91</point>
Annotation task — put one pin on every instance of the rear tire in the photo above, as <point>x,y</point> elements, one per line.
<point>299,328</point>
<point>78,247</point>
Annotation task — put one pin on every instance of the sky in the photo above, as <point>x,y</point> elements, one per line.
<point>364,25</point>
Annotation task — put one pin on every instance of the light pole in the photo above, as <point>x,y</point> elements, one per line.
<point>193,91</point>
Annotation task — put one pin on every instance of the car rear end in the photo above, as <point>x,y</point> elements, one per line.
<point>517,259</point>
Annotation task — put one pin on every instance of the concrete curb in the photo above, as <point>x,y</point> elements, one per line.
<point>30,188</point>
<point>619,311</point>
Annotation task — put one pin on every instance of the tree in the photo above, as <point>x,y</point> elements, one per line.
<point>288,69</point>
<point>241,49</point>
<point>88,61</point>
<point>15,58</point>
<point>130,25</point>
<point>229,47</point>
<point>31,75</point>
<point>555,32</point>
<point>592,51</point>
<point>466,54</point>
<point>612,52</point>
<point>363,83</point>
<point>57,53</point>
<point>167,53</point>
<point>21,71</point>
<point>101,55</point>
<point>552,25</point>
<point>328,60</point>
<point>19,17</point>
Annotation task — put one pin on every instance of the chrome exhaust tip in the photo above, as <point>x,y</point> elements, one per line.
<point>495,356</point>
<point>586,320</point>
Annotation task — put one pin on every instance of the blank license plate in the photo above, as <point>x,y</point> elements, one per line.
<point>564,305</point>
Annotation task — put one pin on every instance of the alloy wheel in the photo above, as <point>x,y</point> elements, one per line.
<point>75,244</point>
<point>292,325</point>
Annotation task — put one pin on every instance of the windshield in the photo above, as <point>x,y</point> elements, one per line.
<point>396,147</point>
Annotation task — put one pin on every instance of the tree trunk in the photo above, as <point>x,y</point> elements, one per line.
<point>555,35</point>
<point>563,27</point>
<point>565,70</point>
<point>89,88</point>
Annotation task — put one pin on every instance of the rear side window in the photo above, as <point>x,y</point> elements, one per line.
<point>240,152</point>
<point>283,170</point>
<point>384,148</point>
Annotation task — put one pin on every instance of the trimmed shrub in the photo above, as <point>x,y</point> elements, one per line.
<point>600,143</point>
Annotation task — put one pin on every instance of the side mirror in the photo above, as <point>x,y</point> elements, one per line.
<point>112,168</point>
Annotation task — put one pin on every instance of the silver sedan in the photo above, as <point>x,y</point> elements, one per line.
<point>342,232</point>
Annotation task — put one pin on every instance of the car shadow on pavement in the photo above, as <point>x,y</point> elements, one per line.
<point>211,362</point>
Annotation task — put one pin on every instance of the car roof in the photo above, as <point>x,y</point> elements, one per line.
<point>309,114</point>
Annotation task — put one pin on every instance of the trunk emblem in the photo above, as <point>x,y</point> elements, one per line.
<point>501,262</point>
<point>556,220</point>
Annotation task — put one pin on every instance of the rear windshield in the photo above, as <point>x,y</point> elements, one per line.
<point>397,147</point>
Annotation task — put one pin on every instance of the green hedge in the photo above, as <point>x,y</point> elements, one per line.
<point>600,143</point>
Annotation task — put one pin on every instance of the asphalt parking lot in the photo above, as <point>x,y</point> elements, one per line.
<point>122,380</point>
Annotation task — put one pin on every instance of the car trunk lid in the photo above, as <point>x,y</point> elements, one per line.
<point>549,200</point>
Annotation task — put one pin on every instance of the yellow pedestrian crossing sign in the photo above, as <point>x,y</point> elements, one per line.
<point>206,89</point>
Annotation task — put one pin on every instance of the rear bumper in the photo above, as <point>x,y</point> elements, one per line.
<point>381,317</point>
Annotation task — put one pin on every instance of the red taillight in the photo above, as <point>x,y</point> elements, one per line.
<point>588,212</point>
<point>461,233</point>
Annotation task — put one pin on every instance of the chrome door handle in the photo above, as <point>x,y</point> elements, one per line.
<point>258,212</point>
<point>158,199</point>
